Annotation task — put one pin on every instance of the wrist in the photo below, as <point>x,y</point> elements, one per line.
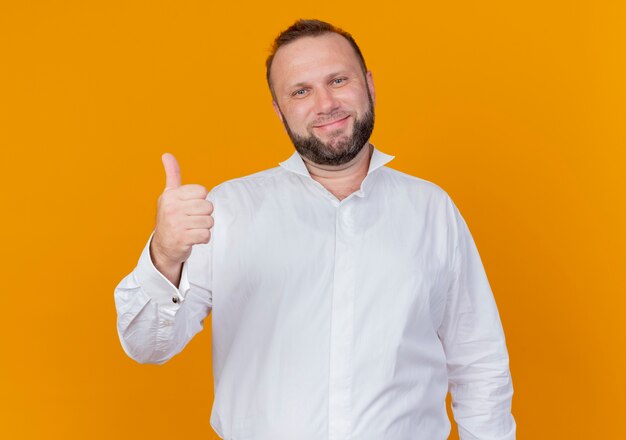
<point>167,267</point>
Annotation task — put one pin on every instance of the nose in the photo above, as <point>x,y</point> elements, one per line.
<point>326,101</point>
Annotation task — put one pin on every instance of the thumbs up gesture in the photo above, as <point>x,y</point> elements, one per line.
<point>183,219</point>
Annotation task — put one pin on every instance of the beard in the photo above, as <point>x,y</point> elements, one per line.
<point>340,149</point>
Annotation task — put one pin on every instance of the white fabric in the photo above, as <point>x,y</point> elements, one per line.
<point>333,319</point>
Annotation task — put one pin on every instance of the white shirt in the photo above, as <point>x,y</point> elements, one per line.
<point>332,319</point>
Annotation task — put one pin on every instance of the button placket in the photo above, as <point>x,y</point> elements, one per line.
<point>342,326</point>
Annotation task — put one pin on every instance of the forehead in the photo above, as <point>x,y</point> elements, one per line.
<point>309,57</point>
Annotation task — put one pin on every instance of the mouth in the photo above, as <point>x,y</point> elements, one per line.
<point>332,125</point>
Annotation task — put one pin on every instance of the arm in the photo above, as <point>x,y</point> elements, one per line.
<point>156,319</point>
<point>474,343</point>
<point>152,327</point>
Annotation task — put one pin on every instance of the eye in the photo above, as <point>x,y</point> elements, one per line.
<point>299,93</point>
<point>338,81</point>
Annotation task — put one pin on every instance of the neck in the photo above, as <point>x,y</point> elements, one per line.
<point>342,180</point>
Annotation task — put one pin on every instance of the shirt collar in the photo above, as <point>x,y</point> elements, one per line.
<point>295,164</point>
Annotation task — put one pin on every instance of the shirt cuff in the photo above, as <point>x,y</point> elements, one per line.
<point>156,285</point>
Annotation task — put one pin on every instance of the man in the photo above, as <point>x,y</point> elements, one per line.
<point>346,296</point>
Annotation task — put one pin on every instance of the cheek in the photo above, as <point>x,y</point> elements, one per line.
<point>363,101</point>
<point>298,117</point>
<point>352,100</point>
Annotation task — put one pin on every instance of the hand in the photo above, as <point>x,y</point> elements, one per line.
<point>183,219</point>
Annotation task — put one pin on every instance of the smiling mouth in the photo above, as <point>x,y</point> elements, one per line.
<point>332,124</point>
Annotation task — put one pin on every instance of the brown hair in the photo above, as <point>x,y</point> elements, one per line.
<point>307,28</point>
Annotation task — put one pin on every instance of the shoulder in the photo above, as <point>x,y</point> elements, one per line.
<point>419,196</point>
<point>250,183</point>
<point>406,184</point>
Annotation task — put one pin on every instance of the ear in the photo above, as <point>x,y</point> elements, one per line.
<point>370,85</point>
<point>277,111</point>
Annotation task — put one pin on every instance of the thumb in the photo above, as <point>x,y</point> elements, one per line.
<point>172,171</point>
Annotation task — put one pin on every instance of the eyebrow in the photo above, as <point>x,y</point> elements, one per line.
<point>328,77</point>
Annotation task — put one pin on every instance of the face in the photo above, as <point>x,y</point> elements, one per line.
<point>323,98</point>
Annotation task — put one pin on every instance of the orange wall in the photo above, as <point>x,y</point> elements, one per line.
<point>517,109</point>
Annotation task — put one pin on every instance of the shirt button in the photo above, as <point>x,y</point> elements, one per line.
<point>175,300</point>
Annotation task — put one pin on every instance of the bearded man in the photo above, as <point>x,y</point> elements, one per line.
<point>347,297</point>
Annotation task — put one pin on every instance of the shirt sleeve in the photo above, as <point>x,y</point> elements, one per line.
<point>473,339</point>
<point>156,320</point>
